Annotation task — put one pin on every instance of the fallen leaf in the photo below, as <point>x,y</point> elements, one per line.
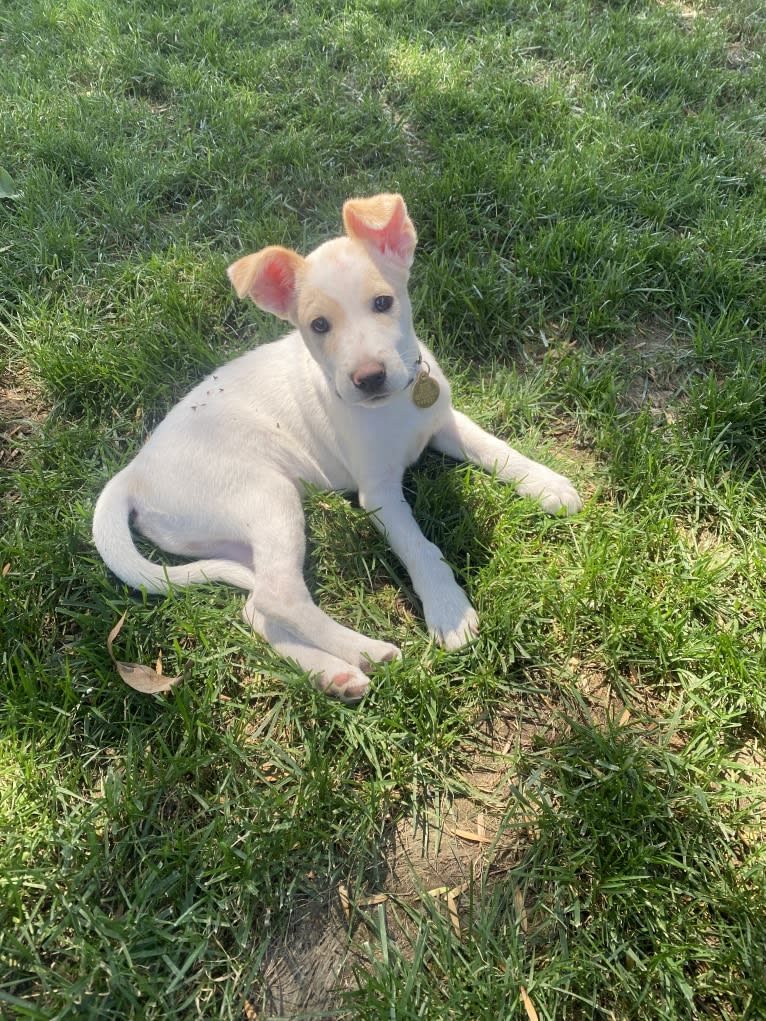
<point>457,890</point>
<point>476,838</point>
<point>345,901</point>
<point>251,1014</point>
<point>270,773</point>
<point>371,902</point>
<point>521,909</point>
<point>528,1005</point>
<point>453,915</point>
<point>6,569</point>
<point>136,675</point>
<point>8,189</point>
<point>144,679</point>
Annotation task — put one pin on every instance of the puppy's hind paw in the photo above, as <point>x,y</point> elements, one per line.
<point>349,686</point>
<point>378,652</point>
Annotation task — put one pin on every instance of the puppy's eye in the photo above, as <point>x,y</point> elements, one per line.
<point>320,325</point>
<point>383,303</point>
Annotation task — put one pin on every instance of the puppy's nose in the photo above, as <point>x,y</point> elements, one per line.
<point>369,377</point>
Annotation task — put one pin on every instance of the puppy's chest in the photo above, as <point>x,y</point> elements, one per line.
<point>387,440</point>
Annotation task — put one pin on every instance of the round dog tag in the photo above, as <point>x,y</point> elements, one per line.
<point>425,392</point>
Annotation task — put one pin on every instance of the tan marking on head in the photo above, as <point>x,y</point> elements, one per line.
<point>313,303</point>
<point>343,269</point>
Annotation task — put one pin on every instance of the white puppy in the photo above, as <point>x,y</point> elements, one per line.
<point>346,401</point>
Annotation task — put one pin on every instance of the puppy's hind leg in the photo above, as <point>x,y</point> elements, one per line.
<point>280,598</point>
<point>332,675</point>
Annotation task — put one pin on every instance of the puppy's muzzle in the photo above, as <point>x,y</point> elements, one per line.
<point>370,378</point>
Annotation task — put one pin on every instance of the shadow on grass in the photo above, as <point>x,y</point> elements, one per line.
<point>629,889</point>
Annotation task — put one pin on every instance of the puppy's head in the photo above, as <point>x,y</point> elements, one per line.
<point>348,298</point>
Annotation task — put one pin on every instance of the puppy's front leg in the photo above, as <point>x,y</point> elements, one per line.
<point>462,439</point>
<point>449,615</point>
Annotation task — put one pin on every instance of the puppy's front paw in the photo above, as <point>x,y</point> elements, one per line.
<point>452,620</point>
<point>553,492</point>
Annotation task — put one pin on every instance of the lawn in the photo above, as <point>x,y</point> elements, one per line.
<point>565,820</point>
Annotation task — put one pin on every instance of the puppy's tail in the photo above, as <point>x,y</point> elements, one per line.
<point>114,541</point>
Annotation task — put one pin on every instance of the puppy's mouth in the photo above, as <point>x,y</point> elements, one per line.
<point>385,395</point>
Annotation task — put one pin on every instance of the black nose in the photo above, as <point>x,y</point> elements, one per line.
<point>369,378</point>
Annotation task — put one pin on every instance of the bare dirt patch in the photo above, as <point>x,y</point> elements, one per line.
<point>436,860</point>
<point>656,369</point>
<point>307,971</point>
<point>444,858</point>
<point>687,12</point>
<point>22,411</point>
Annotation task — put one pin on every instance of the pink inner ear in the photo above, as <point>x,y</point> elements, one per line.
<point>394,238</point>
<point>274,286</point>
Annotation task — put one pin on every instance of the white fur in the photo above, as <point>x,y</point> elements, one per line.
<point>220,480</point>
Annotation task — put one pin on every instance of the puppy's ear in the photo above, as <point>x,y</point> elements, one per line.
<point>381,223</point>
<point>269,277</point>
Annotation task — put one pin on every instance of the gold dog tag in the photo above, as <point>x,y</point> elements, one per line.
<point>425,392</point>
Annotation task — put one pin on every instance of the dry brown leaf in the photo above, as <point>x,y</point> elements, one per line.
<point>475,838</point>
<point>6,569</point>
<point>364,902</point>
<point>528,1005</point>
<point>270,773</point>
<point>251,1014</point>
<point>136,675</point>
<point>345,901</point>
<point>371,902</point>
<point>457,890</point>
<point>521,909</point>
<point>453,915</point>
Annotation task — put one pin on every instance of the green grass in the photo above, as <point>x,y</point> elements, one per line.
<point>587,182</point>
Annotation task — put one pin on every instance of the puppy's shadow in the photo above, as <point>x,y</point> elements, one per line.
<point>450,504</point>
<point>453,504</point>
